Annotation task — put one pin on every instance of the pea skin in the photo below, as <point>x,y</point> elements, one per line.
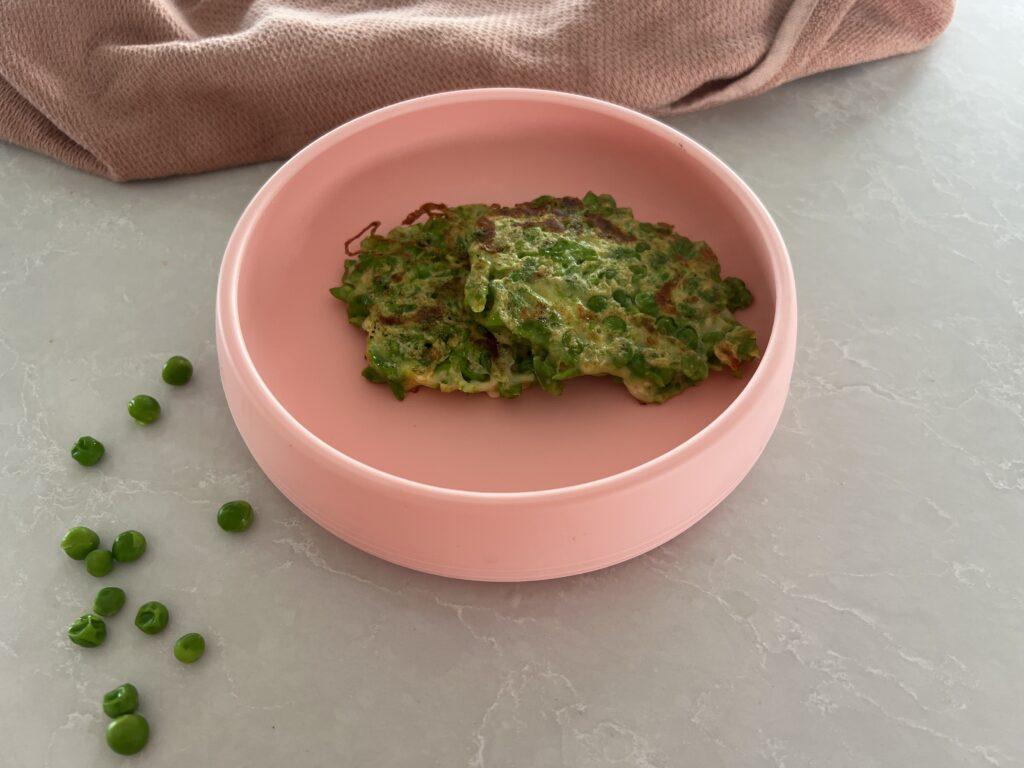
<point>79,541</point>
<point>177,371</point>
<point>152,617</point>
<point>235,516</point>
<point>144,409</point>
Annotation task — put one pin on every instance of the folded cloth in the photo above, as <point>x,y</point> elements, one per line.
<point>132,89</point>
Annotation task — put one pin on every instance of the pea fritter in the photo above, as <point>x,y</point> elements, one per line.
<point>490,298</point>
<point>593,291</point>
<point>406,290</point>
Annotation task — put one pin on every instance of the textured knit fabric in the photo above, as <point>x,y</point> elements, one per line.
<point>133,89</point>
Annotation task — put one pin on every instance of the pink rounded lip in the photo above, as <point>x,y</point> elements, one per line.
<point>783,327</point>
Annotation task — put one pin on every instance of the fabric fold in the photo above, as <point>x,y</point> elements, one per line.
<point>131,89</point>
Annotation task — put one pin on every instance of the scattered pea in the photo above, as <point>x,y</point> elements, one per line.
<point>79,541</point>
<point>87,451</point>
<point>152,617</point>
<point>99,562</point>
<point>144,409</point>
<point>597,303</point>
<point>235,516</point>
<point>123,700</point>
<point>108,601</point>
<point>128,734</point>
<point>189,648</point>
<point>88,631</point>
<point>177,370</point>
<point>128,546</point>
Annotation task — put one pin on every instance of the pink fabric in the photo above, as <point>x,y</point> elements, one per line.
<point>132,89</point>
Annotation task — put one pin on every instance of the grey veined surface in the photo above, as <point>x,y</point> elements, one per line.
<point>856,602</point>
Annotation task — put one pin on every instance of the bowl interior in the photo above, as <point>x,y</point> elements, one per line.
<point>505,150</point>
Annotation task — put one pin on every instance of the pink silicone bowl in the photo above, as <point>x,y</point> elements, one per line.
<point>464,485</point>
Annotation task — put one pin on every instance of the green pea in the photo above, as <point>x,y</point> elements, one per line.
<point>144,409</point>
<point>189,648</point>
<point>638,365</point>
<point>572,344</point>
<point>615,323</point>
<point>509,391</point>
<point>535,330</point>
<point>108,601</point>
<point>372,374</point>
<point>695,368</point>
<point>666,325</point>
<point>687,310</point>
<point>662,376</point>
<point>469,373</point>
<point>597,303</point>
<point>523,364</point>
<point>543,368</point>
<point>358,309</point>
<point>152,617</point>
<point>128,734</point>
<point>712,337</point>
<point>684,249</point>
<point>177,370</point>
<point>623,353</point>
<point>601,203</point>
<point>123,700</point>
<point>645,303</point>
<point>738,296</point>
<point>99,562</point>
<point>88,631</point>
<point>713,294</point>
<point>746,348</point>
<point>87,451</point>
<point>623,298</point>
<point>688,336</point>
<point>128,546</point>
<point>235,516</point>
<point>79,541</point>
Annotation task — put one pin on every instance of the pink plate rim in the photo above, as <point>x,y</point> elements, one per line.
<point>228,324</point>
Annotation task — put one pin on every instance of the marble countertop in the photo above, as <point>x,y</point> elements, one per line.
<point>858,601</point>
